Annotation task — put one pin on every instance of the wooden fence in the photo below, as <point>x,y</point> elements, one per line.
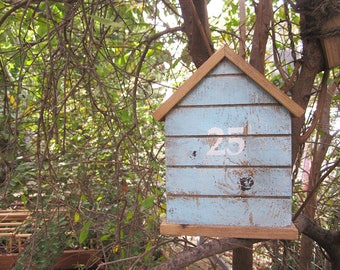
<point>12,242</point>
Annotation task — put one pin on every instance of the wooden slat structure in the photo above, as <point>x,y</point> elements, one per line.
<point>13,243</point>
<point>287,233</point>
<point>228,153</point>
<point>331,42</point>
<point>252,73</point>
<point>10,221</point>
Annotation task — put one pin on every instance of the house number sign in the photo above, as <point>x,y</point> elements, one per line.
<point>246,181</point>
<point>214,149</point>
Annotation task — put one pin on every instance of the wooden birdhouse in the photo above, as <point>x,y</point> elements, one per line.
<point>331,42</point>
<point>228,153</point>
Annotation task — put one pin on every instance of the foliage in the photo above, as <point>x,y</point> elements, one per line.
<point>79,82</point>
<point>78,144</point>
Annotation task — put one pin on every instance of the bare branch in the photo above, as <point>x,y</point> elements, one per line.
<point>205,250</point>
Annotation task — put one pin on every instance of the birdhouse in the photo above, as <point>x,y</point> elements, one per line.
<point>330,42</point>
<point>228,153</point>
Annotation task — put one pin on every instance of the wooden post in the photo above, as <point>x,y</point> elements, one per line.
<point>243,258</point>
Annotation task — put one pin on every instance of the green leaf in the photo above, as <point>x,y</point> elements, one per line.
<point>83,198</point>
<point>105,237</point>
<point>148,202</point>
<point>129,216</point>
<point>107,21</point>
<point>84,232</point>
<point>336,97</point>
<point>76,217</point>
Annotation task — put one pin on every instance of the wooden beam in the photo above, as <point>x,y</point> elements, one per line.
<point>254,74</point>
<point>246,232</point>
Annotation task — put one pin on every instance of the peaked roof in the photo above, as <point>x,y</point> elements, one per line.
<point>239,62</point>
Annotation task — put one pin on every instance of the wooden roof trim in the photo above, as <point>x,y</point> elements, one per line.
<point>189,84</point>
<point>238,61</point>
<point>258,77</point>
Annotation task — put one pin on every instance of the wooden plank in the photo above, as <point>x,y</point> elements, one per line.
<point>269,212</point>
<point>227,90</point>
<point>250,71</point>
<point>270,88</point>
<point>330,44</point>
<point>16,235</point>
<point>13,216</point>
<point>254,120</point>
<point>10,224</point>
<point>248,232</point>
<point>2,229</point>
<point>13,211</point>
<point>226,181</point>
<point>189,84</point>
<point>225,67</point>
<point>228,151</point>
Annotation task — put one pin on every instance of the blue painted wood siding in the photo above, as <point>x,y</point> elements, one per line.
<point>228,154</point>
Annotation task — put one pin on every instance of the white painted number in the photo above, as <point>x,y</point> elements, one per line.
<point>214,151</point>
<point>239,142</point>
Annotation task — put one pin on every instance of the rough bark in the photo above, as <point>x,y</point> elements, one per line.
<point>200,252</point>
<point>313,63</point>
<point>243,257</point>
<point>242,29</point>
<point>321,146</point>
<point>301,91</point>
<point>196,27</point>
<point>264,15</point>
<point>328,240</point>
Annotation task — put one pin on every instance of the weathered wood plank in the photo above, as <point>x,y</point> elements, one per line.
<point>225,67</point>
<point>261,80</point>
<point>189,84</point>
<point>250,232</point>
<point>330,44</point>
<point>227,181</point>
<point>227,90</point>
<point>228,150</point>
<point>6,215</point>
<point>270,212</point>
<point>250,71</point>
<point>253,120</point>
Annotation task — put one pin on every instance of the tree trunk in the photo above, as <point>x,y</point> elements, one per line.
<point>264,15</point>
<point>215,246</point>
<point>242,29</point>
<point>243,257</point>
<point>313,63</point>
<point>196,27</point>
<point>328,240</point>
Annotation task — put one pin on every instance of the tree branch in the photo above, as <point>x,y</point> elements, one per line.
<point>315,189</point>
<point>215,246</point>
<point>196,27</point>
<point>264,16</point>
<point>328,240</point>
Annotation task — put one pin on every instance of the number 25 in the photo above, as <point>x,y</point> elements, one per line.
<point>214,149</point>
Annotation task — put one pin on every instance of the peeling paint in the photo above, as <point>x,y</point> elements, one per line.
<point>228,155</point>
